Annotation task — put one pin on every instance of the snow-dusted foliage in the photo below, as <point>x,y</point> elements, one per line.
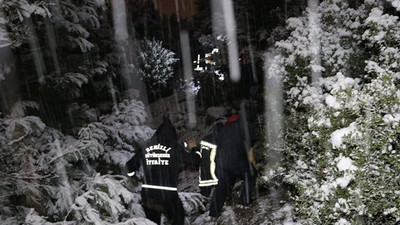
<point>103,197</point>
<point>77,19</point>
<point>190,87</point>
<point>125,127</point>
<point>395,4</point>
<point>14,12</point>
<point>342,131</point>
<point>51,178</point>
<point>193,203</point>
<point>68,26</point>
<point>156,63</point>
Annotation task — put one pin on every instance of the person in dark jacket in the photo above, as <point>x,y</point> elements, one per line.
<point>160,159</point>
<point>208,152</point>
<point>232,161</point>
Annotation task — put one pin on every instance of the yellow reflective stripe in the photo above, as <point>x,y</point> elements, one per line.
<point>208,144</point>
<point>159,187</point>
<point>131,173</point>
<point>205,183</point>
<point>208,181</point>
<point>199,153</point>
<point>251,156</point>
<point>213,154</point>
<point>208,184</point>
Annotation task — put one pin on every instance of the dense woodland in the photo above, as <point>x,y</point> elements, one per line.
<point>77,76</point>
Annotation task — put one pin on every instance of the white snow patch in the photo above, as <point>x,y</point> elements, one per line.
<point>339,82</point>
<point>118,157</point>
<point>344,181</point>
<point>390,211</point>
<point>326,189</point>
<point>342,205</point>
<point>396,4</point>
<point>320,121</point>
<point>204,219</point>
<point>338,135</point>
<point>317,68</point>
<point>345,163</point>
<point>342,222</point>
<point>392,118</point>
<point>285,213</point>
<point>331,101</point>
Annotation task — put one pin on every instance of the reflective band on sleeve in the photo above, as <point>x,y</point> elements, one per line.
<point>131,174</point>
<point>159,187</point>
<point>206,183</point>
<point>207,144</point>
<point>213,152</point>
<point>213,166</point>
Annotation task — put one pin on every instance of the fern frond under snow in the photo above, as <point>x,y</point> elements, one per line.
<point>133,112</point>
<point>117,157</point>
<point>82,149</point>
<point>83,44</point>
<point>77,79</point>
<point>70,82</point>
<point>126,126</point>
<point>114,187</point>
<point>49,135</point>
<point>104,193</point>
<point>88,146</point>
<point>20,107</point>
<point>92,131</point>
<point>137,221</point>
<point>76,28</point>
<point>63,196</point>
<point>136,133</point>
<point>33,218</point>
<point>97,3</point>
<point>89,15</point>
<point>193,202</point>
<point>20,127</point>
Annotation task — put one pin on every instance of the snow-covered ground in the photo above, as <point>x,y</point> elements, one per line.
<point>269,206</point>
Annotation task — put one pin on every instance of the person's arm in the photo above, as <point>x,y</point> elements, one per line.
<point>189,154</point>
<point>134,163</point>
<point>194,150</point>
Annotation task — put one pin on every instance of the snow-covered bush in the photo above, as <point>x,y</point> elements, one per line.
<point>51,177</point>
<point>125,128</point>
<point>14,12</point>
<point>156,63</point>
<point>342,130</point>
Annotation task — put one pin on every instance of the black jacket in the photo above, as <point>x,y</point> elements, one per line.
<point>161,157</point>
<point>208,153</point>
<point>232,152</point>
<point>225,149</point>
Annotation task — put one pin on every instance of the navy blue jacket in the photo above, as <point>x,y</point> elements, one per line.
<point>224,149</point>
<point>161,158</point>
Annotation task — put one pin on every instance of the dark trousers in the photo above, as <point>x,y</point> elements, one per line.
<point>206,191</point>
<point>226,180</point>
<point>156,202</point>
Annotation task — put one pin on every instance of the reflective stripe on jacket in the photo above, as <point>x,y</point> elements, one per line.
<point>207,176</point>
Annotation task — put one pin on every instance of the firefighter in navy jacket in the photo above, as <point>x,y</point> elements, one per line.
<point>208,152</point>
<point>233,161</point>
<point>159,159</point>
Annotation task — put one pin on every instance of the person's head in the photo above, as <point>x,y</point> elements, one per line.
<point>233,108</point>
<point>166,133</point>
